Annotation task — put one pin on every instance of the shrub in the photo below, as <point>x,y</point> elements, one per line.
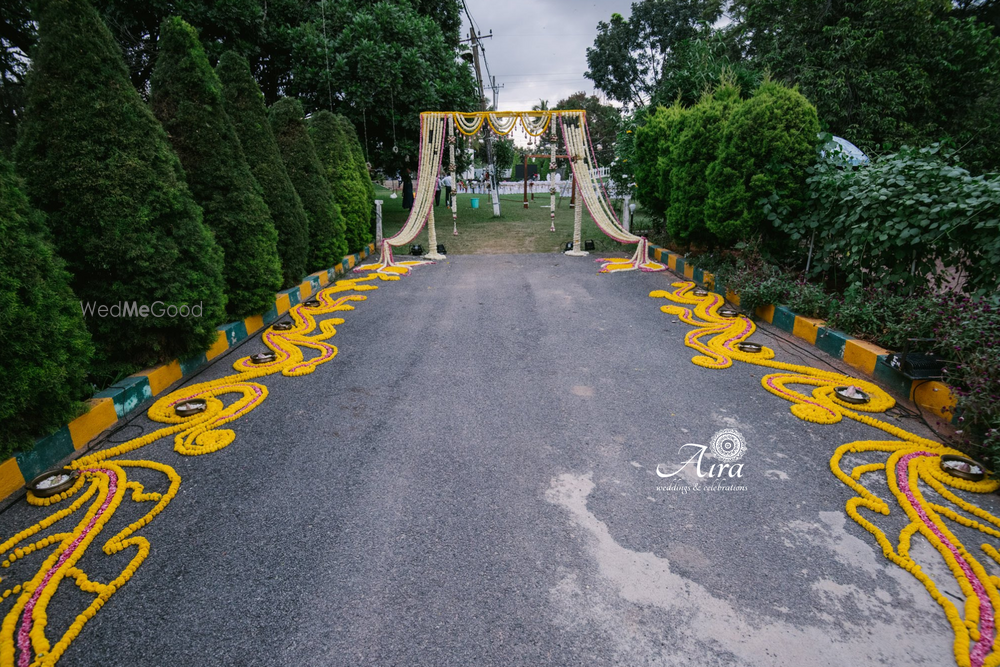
<point>901,220</point>
<point>100,167</point>
<point>767,144</point>
<point>328,246</point>
<point>757,281</point>
<point>883,317</point>
<point>245,107</point>
<point>335,153</point>
<point>697,147</point>
<point>44,335</point>
<point>968,333</point>
<point>808,299</point>
<point>653,144</point>
<point>186,96</point>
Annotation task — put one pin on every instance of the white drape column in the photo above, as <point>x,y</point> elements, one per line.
<point>577,216</point>
<point>454,179</point>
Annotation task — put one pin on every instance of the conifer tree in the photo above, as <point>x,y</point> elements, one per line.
<point>334,151</point>
<point>364,177</point>
<point>100,167</point>
<point>768,143</point>
<point>696,148</point>
<point>245,106</point>
<point>186,96</point>
<point>41,326</point>
<point>327,243</point>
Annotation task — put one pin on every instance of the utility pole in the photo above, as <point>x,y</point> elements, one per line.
<point>494,180</point>
<point>496,93</point>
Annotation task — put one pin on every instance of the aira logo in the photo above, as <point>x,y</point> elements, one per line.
<point>727,447</point>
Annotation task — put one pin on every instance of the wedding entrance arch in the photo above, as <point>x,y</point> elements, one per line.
<point>438,126</point>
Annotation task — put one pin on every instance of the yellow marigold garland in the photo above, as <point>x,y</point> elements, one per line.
<point>909,460</point>
<point>104,480</point>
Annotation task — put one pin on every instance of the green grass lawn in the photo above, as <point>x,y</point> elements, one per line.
<point>517,230</point>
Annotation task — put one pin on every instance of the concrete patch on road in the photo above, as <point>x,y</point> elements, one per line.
<point>680,618</point>
<point>830,533</point>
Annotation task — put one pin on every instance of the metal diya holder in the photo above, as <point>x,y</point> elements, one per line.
<point>52,482</point>
<point>728,312</point>
<point>842,394</point>
<point>192,406</point>
<point>263,357</point>
<point>753,348</point>
<point>699,291</point>
<point>963,467</point>
<point>311,303</point>
<point>282,326</point>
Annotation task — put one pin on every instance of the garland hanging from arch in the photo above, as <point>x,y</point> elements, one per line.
<point>583,161</point>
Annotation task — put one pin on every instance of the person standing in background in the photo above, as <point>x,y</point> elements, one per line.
<point>437,190</point>
<point>446,182</point>
<point>407,189</point>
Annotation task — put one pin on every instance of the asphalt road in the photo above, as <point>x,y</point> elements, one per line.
<point>471,482</point>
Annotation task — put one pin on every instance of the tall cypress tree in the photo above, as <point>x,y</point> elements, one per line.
<point>245,107</point>
<point>364,177</point>
<point>694,151</point>
<point>334,152</point>
<point>327,245</point>
<point>186,96</point>
<point>41,326</point>
<point>100,166</point>
<point>768,143</point>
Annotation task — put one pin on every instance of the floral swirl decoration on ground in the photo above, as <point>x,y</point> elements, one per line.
<point>911,466</point>
<point>51,552</point>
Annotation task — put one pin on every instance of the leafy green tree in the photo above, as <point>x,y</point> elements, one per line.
<point>42,326</point>
<point>17,38</point>
<point>245,107</point>
<point>768,143</point>
<point>328,246</point>
<point>380,64</point>
<point>697,147</point>
<point>654,142</point>
<point>628,55</point>
<point>187,98</point>
<point>884,74</point>
<point>119,210</point>
<point>351,194</point>
<point>701,64</point>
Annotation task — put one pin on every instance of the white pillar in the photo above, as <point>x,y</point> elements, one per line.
<point>432,239</point>
<point>378,223</point>
<point>552,182</point>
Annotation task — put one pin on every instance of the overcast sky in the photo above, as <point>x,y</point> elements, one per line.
<point>539,47</point>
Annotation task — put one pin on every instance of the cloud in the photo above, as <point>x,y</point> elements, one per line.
<point>539,47</point>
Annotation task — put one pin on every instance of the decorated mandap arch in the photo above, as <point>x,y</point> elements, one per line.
<point>437,126</point>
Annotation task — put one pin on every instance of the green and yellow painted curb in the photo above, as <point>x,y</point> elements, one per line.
<point>930,395</point>
<point>107,407</point>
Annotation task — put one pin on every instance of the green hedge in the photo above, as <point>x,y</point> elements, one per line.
<point>328,246</point>
<point>44,336</point>
<point>245,107</point>
<point>186,96</point>
<point>99,165</point>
